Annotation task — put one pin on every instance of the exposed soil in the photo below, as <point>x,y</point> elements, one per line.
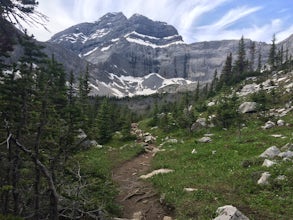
<point>137,195</point>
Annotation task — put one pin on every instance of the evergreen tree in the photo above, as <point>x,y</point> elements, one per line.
<point>226,76</point>
<point>240,64</point>
<point>103,123</point>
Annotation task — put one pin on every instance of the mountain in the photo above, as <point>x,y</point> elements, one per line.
<point>139,47</point>
<point>138,56</point>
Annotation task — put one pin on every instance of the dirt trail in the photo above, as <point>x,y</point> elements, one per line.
<point>137,197</point>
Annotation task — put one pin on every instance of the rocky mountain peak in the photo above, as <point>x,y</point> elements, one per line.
<point>111,19</point>
<point>146,26</point>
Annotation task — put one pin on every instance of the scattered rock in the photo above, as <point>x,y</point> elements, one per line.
<point>214,152</point>
<point>281,178</point>
<point>268,125</point>
<point>149,139</point>
<point>248,89</point>
<point>189,189</point>
<point>208,135</point>
<point>205,140</point>
<point>271,152</point>
<point>247,107</point>
<point>264,179</point>
<point>172,141</point>
<point>137,216</point>
<point>194,151</point>
<point>277,136</point>
<point>280,122</point>
<point>81,134</point>
<point>210,104</point>
<point>156,172</point>
<point>268,163</point>
<point>90,143</point>
<point>286,155</point>
<point>202,122</point>
<point>229,212</point>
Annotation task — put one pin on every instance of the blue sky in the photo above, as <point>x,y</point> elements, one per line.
<point>195,20</point>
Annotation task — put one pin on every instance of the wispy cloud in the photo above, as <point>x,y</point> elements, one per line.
<point>232,16</point>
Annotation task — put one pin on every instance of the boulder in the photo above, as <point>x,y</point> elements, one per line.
<point>81,134</point>
<point>271,152</point>
<point>167,218</point>
<point>268,125</point>
<point>264,179</point>
<point>138,216</point>
<point>205,140</point>
<point>281,178</point>
<point>286,155</point>
<point>247,107</point>
<point>149,139</point>
<point>280,122</point>
<point>189,189</point>
<point>194,151</point>
<point>229,212</point>
<point>172,141</point>
<point>248,89</point>
<point>202,122</point>
<point>268,163</point>
<point>90,143</point>
<point>210,104</point>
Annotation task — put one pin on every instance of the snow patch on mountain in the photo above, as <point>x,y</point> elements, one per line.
<point>149,44</point>
<point>121,86</point>
<point>99,33</point>
<point>91,51</point>
<point>151,41</point>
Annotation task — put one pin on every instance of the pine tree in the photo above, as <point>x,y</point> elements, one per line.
<point>240,64</point>
<point>226,76</point>
<point>103,123</point>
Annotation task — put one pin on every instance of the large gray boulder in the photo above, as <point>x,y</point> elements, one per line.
<point>229,212</point>
<point>247,107</point>
<point>271,152</point>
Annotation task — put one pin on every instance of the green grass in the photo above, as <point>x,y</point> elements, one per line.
<point>223,178</point>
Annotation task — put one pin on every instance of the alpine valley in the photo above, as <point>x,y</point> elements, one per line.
<point>138,56</point>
